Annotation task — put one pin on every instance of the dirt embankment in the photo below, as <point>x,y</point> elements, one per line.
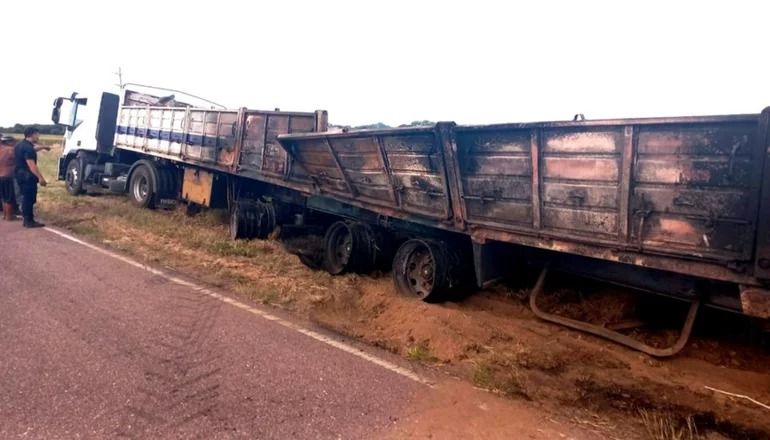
<point>491,338</point>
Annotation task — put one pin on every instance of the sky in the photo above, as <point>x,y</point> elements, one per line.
<point>472,62</point>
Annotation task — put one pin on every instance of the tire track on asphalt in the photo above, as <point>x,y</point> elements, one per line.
<point>334,342</point>
<point>181,369</point>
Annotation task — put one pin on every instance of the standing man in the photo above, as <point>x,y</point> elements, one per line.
<point>28,175</point>
<point>7,166</point>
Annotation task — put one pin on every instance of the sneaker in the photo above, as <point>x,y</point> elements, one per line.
<point>32,224</point>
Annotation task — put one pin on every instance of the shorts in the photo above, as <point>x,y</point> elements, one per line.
<point>7,190</point>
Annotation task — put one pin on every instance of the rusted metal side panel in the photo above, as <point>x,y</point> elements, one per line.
<point>401,170</point>
<point>418,173</point>
<point>495,173</point>
<point>260,150</point>
<point>581,170</point>
<point>693,191</point>
<point>686,187</point>
<point>553,179</point>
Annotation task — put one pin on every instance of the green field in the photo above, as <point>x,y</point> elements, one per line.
<point>46,139</point>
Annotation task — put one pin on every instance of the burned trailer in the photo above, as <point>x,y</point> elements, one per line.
<point>678,206</point>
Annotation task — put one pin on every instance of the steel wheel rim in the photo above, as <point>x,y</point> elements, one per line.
<point>341,245</point>
<point>141,188</point>
<point>72,177</point>
<point>420,271</point>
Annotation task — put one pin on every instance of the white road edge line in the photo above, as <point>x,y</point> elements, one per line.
<point>205,291</point>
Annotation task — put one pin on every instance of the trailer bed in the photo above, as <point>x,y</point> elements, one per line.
<point>679,194</point>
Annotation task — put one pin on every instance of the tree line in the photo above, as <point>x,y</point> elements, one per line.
<point>379,125</point>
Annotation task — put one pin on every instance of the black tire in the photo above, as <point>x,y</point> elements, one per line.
<point>252,220</point>
<point>349,247</point>
<point>141,188</point>
<point>167,187</point>
<point>427,269</point>
<point>73,177</point>
<point>265,219</point>
<point>238,227</point>
<point>313,261</point>
<point>192,209</point>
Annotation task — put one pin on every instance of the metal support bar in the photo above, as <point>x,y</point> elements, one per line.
<point>238,139</point>
<point>446,139</point>
<point>534,149</point>
<point>614,336</point>
<point>386,170</point>
<point>627,158</point>
<point>344,176</point>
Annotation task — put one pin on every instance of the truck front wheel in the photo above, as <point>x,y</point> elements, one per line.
<point>141,188</point>
<point>73,177</point>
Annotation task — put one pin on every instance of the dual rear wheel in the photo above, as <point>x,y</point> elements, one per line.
<point>149,185</point>
<point>350,247</point>
<point>428,269</point>
<point>255,219</point>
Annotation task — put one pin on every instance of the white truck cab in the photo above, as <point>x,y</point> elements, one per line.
<point>88,161</point>
<point>89,121</point>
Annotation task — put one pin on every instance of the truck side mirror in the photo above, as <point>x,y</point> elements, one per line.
<point>56,113</point>
<point>65,110</point>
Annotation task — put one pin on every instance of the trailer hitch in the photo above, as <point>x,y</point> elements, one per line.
<point>612,335</point>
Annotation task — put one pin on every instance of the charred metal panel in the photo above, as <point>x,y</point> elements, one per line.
<point>255,126</point>
<point>692,189</point>
<point>581,169</point>
<point>362,164</point>
<point>570,193</point>
<point>496,175</point>
<point>418,174</point>
<point>274,159</point>
<point>261,152</point>
<point>396,169</point>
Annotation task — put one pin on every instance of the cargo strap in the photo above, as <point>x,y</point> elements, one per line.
<point>614,336</point>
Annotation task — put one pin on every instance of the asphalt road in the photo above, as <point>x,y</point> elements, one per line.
<point>96,345</point>
<point>92,347</point>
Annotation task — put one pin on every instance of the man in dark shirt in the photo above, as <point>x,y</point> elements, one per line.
<point>28,175</point>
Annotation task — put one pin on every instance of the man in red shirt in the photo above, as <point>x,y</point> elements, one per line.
<point>7,166</point>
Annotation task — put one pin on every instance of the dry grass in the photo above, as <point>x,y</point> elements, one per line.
<point>199,245</point>
<point>496,376</point>
<point>420,352</point>
<point>667,426</point>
